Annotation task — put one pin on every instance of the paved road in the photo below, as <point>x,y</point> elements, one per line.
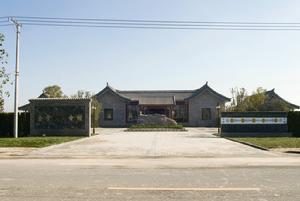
<point>115,143</point>
<point>116,165</point>
<point>60,180</point>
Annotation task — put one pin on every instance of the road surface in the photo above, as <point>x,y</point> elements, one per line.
<point>59,180</point>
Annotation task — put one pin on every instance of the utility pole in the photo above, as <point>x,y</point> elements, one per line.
<point>16,104</point>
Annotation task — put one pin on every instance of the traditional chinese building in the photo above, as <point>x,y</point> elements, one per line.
<point>197,107</point>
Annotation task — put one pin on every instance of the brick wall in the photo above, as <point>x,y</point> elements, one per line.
<point>62,127</point>
<point>110,100</point>
<point>203,100</point>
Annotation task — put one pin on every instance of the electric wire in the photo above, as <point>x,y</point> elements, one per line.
<point>155,24</point>
<point>161,27</point>
<point>151,21</point>
<point>150,24</point>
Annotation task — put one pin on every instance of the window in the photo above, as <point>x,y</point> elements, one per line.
<point>108,114</point>
<point>206,114</point>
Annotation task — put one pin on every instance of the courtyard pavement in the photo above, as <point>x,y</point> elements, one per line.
<point>115,143</point>
<point>113,147</point>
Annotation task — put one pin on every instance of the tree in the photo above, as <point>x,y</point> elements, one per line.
<point>238,102</point>
<point>53,91</point>
<point>96,105</point>
<point>4,77</point>
<point>96,108</point>
<point>82,94</point>
<point>257,101</point>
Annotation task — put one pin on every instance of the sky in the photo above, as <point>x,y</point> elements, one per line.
<point>138,59</point>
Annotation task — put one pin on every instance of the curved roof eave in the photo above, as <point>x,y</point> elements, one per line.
<point>109,88</point>
<point>206,87</point>
<point>272,92</point>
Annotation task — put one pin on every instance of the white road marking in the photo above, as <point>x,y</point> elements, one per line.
<point>181,189</point>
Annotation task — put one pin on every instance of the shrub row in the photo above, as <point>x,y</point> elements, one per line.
<point>7,124</point>
<point>178,126</point>
<point>294,123</point>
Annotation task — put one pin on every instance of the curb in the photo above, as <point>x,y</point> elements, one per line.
<point>292,152</point>
<point>248,144</point>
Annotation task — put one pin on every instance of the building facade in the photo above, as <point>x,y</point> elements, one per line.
<point>188,107</point>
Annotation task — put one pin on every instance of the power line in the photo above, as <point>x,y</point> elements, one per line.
<point>151,21</point>
<point>4,18</point>
<point>152,24</point>
<point>161,27</point>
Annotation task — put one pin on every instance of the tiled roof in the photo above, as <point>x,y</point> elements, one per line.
<point>110,88</point>
<point>57,99</point>
<point>207,88</point>
<point>271,94</point>
<point>179,95</point>
<point>161,97</point>
<point>26,107</point>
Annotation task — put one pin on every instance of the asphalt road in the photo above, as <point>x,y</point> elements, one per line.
<point>120,166</point>
<point>58,180</point>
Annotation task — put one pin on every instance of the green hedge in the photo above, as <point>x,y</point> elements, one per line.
<point>294,123</point>
<point>178,126</point>
<point>7,124</point>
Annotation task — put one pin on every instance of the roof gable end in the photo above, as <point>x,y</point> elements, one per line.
<point>114,91</point>
<point>272,94</point>
<point>207,88</point>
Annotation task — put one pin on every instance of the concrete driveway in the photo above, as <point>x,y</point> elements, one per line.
<point>115,143</point>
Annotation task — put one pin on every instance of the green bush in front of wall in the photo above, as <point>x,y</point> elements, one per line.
<point>294,123</point>
<point>7,124</point>
<point>178,126</point>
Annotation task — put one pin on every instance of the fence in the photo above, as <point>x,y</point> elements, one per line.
<point>294,123</point>
<point>7,124</point>
<point>254,124</point>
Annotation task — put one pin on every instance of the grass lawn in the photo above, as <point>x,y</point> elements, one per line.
<point>34,141</point>
<point>272,142</point>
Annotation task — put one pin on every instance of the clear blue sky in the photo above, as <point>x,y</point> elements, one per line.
<point>87,58</point>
